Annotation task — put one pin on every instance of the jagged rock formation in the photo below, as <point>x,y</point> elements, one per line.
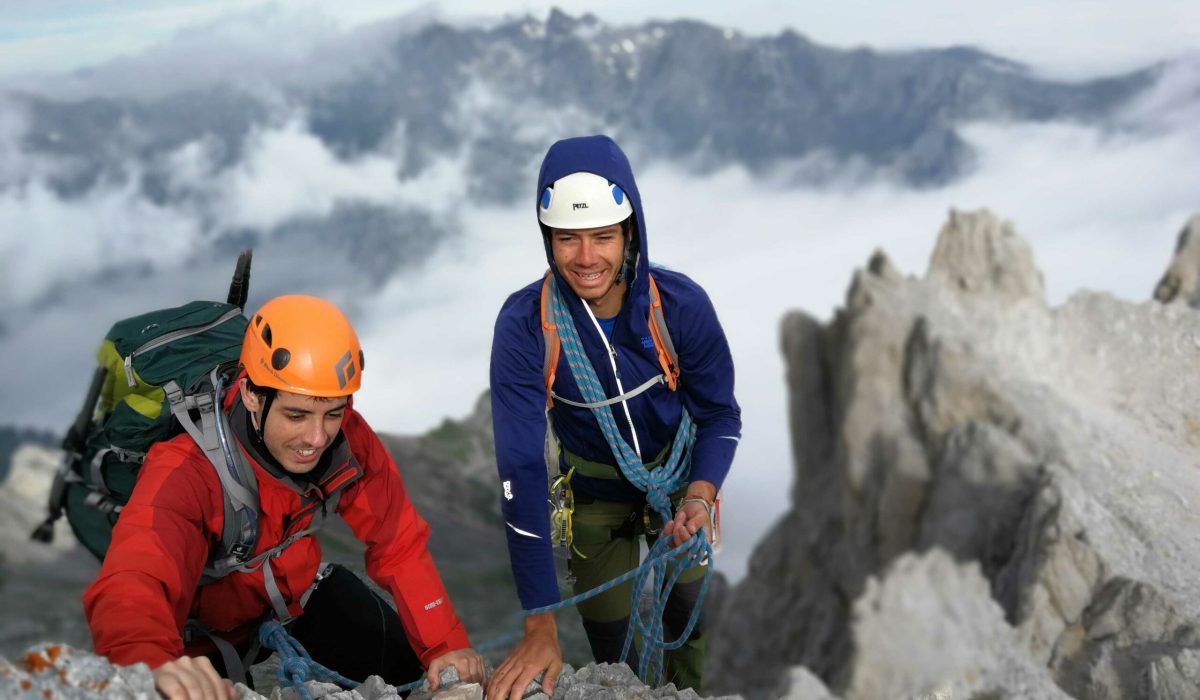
<point>41,585</point>
<point>56,672</point>
<point>957,642</point>
<point>1051,452</point>
<point>1181,282</point>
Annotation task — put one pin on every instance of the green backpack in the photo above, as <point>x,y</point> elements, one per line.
<point>159,374</point>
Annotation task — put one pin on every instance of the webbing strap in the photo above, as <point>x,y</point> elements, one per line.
<point>263,560</point>
<point>551,447</point>
<point>668,358</point>
<point>600,470</point>
<point>236,667</point>
<point>96,475</point>
<point>660,379</point>
<point>239,486</point>
<point>277,602</point>
<point>102,503</point>
<point>550,336</point>
<point>181,407</point>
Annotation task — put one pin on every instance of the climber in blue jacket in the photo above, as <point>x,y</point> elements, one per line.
<point>594,232</point>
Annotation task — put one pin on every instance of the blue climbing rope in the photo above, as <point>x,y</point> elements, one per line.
<point>662,567</point>
<point>295,664</point>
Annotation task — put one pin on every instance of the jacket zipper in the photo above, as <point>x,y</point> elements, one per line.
<point>612,359</point>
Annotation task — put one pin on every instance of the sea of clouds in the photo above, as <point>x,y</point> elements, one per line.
<point>1100,204</point>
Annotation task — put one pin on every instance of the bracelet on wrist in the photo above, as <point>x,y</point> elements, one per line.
<point>708,509</point>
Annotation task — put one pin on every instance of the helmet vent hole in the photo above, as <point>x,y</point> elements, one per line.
<point>266,334</point>
<point>280,359</point>
<point>362,361</point>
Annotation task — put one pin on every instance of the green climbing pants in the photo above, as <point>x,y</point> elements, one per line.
<point>607,534</point>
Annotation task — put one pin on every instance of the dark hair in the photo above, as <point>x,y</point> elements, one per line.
<point>267,392</point>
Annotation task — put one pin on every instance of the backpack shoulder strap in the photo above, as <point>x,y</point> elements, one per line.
<point>550,335</point>
<point>239,486</point>
<point>263,559</point>
<point>668,359</point>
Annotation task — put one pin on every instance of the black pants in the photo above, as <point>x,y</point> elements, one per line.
<point>349,629</point>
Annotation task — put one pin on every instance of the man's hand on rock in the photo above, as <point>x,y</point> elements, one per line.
<point>467,662</point>
<point>192,678</point>
<point>538,652</point>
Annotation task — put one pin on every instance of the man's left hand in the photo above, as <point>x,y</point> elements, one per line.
<point>468,662</point>
<point>687,522</point>
<point>692,516</point>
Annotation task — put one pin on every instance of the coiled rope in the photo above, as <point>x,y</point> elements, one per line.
<point>662,568</point>
<point>295,664</point>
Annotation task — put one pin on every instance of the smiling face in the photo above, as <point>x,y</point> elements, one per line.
<point>299,428</point>
<point>590,259</point>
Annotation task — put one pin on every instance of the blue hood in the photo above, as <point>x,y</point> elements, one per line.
<point>599,155</point>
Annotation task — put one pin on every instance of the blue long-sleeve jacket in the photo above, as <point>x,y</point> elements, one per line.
<point>519,390</point>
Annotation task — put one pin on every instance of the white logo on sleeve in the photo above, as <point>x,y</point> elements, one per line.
<point>434,604</point>
<point>508,490</point>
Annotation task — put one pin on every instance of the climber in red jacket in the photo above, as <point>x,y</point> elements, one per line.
<point>155,599</point>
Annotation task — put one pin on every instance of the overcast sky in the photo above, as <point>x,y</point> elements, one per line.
<point>1067,37</point>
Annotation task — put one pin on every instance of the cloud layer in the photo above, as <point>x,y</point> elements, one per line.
<point>432,258</point>
<point>1100,209</point>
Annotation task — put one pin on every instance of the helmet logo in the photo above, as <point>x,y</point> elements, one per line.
<point>280,358</point>
<point>345,370</point>
<point>579,205</point>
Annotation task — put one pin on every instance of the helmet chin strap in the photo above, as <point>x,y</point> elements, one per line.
<point>627,255</point>
<point>260,424</point>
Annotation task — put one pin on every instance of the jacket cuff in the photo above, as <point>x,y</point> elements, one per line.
<point>149,654</point>
<point>457,639</point>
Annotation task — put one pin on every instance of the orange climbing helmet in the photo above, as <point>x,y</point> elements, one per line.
<point>303,345</point>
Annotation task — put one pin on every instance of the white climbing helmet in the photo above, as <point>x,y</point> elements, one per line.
<point>583,200</point>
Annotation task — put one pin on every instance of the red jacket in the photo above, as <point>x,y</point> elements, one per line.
<point>149,586</point>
